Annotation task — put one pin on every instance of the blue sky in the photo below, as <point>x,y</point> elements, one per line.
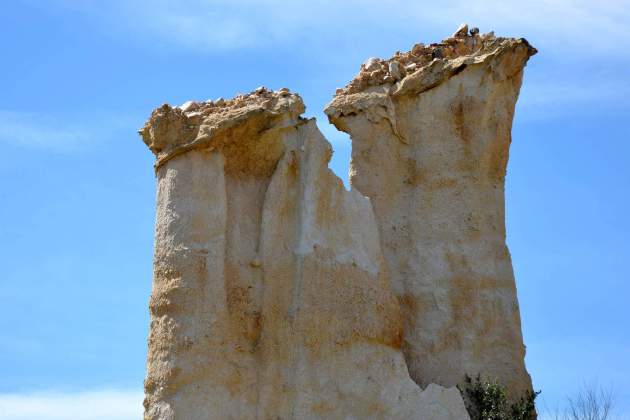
<point>78,192</point>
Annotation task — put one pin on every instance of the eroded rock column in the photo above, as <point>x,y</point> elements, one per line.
<point>271,298</point>
<point>214,162</point>
<point>430,133</point>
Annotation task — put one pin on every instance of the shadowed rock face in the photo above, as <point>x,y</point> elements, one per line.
<point>430,132</point>
<point>271,299</point>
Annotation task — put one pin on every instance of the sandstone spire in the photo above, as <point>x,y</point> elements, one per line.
<point>271,297</point>
<point>430,133</point>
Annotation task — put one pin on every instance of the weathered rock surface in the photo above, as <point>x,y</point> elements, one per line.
<point>271,297</point>
<point>430,149</point>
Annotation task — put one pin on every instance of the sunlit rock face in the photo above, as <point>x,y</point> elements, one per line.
<point>271,299</point>
<point>431,130</point>
<point>279,294</point>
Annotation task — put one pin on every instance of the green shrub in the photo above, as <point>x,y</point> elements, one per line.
<point>487,400</point>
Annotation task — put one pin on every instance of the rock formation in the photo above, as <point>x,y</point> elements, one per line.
<point>431,131</point>
<point>278,294</point>
<point>271,298</point>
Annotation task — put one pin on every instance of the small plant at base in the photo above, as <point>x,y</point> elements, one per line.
<point>487,400</point>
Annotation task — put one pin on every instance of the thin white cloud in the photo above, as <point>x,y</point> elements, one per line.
<point>544,99</point>
<point>70,134</point>
<point>89,405</point>
<point>584,27</point>
<point>40,132</point>
<point>573,36</point>
<point>209,25</point>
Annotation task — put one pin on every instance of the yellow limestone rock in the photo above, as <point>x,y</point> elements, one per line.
<point>430,151</point>
<point>271,298</point>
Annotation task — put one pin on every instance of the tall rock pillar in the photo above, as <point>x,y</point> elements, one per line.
<point>430,133</point>
<point>270,297</point>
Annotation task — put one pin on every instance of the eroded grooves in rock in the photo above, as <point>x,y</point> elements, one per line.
<point>430,131</point>
<point>270,299</point>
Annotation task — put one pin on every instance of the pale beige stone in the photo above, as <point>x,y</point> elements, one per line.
<point>461,31</point>
<point>430,151</point>
<point>271,298</point>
